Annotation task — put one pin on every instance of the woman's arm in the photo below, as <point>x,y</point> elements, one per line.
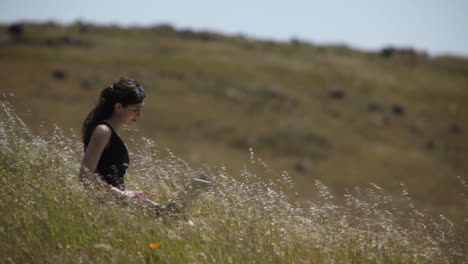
<point>97,143</point>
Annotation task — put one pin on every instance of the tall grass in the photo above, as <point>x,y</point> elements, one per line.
<point>48,217</point>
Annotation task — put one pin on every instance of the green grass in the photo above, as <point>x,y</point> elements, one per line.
<point>209,101</point>
<point>48,217</point>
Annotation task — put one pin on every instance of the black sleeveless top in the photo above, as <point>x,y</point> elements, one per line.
<point>114,160</point>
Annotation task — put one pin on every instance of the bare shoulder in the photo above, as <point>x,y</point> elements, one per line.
<point>99,140</point>
<point>101,133</point>
<point>102,129</point>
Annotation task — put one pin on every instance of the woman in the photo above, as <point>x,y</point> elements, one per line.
<point>105,152</point>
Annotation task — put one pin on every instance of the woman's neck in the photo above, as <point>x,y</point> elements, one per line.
<point>114,122</point>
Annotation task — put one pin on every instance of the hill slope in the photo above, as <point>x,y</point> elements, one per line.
<point>344,117</point>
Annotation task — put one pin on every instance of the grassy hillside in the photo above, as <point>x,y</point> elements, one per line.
<point>48,217</point>
<point>345,117</point>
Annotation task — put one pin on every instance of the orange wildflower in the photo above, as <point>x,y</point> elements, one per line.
<point>154,245</point>
<point>199,212</point>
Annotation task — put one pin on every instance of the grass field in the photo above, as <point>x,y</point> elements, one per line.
<point>48,217</point>
<point>212,98</point>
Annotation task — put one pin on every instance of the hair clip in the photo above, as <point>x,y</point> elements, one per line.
<point>140,89</point>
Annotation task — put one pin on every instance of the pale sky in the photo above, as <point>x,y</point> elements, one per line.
<point>436,26</point>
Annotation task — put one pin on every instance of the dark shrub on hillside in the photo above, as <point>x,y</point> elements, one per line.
<point>302,166</point>
<point>430,144</point>
<point>398,110</point>
<point>16,30</point>
<point>188,33</point>
<point>295,41</point>
<point>455,128</point>
<point>336,93</point>
<point>389,52</point>
<point>83,27</point>
<point>59,74</point>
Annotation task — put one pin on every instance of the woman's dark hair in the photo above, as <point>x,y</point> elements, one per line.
<point>126,91</point>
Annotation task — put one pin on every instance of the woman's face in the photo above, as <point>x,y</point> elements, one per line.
<point>130,114</point>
